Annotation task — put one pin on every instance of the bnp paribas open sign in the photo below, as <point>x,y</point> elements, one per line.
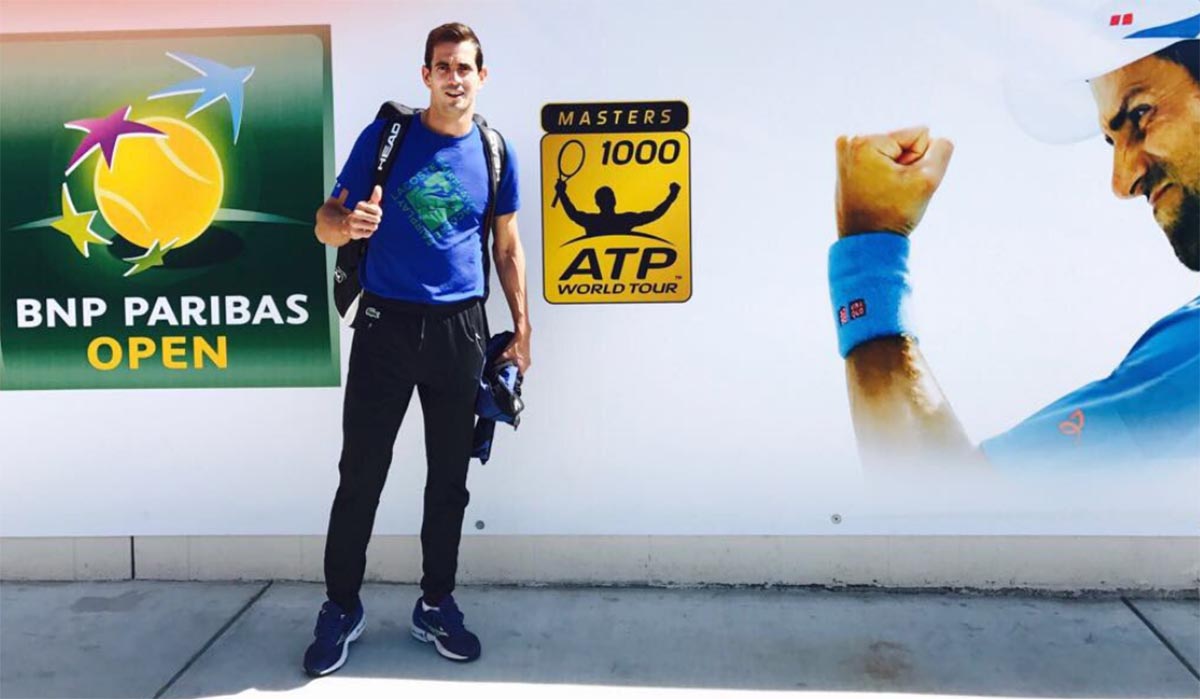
<point>156,199</point>
<point>616,203</point>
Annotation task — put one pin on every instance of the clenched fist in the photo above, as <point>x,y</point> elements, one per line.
<point>885,181</point>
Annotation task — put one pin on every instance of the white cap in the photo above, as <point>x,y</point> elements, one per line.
<point>1057,52</point>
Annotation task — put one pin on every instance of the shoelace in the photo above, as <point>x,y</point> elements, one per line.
<point>329,624</point>
<point>452,618</point>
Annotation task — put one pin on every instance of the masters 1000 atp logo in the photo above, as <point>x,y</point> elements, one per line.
<point>616,203</point>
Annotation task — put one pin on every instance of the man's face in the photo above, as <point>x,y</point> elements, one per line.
<point>453,80</point>
<point>1150,112</point>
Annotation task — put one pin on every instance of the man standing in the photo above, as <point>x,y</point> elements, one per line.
<point>1148,409</point>
<point>420,325</point>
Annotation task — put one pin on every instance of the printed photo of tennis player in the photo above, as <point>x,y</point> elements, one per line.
<point>1141,68</point>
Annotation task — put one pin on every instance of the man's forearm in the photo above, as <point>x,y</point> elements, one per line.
<point>900,413</point>
<point>510,267</point>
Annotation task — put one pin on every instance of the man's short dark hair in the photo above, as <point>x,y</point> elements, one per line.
<point>452,33</point>
<point>1186,54</point>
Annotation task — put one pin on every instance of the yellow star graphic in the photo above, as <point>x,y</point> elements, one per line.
<point>77,226</point>
<point>151,258</point>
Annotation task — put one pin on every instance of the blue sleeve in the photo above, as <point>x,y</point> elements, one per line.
<point>1148,409</point>
<point>1071,431</point>
<point>356,172</point>
<point>508,196</point>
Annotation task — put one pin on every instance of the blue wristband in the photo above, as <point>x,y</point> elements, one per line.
<point>868,284</point>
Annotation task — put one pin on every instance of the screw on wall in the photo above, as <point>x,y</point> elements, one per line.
<point>835,518</point>
<point>479,524</point>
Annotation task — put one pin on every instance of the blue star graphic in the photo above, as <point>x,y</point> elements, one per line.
<point>218,81</point>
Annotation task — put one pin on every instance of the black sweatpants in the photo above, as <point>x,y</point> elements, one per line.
<point>439,350</point>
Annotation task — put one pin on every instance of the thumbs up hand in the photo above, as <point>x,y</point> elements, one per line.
<point>364,220</point>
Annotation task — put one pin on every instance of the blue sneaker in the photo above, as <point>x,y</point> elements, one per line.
<point>443,627</point>
<point>335,631</point>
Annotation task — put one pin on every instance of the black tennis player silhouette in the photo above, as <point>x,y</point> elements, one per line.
<point>608,221</point>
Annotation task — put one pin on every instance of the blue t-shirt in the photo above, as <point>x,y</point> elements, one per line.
<point>1146,410</point>
<point>429,246</point>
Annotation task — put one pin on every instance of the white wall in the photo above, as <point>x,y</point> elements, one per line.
<point>724,415</point>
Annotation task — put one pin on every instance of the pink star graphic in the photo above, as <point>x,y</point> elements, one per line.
<point>104,133</point>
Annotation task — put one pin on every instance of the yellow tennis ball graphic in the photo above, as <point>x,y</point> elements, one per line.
<point>161,188</point>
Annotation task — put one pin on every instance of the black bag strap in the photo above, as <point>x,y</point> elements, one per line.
<point>495,152</point>
<point>347,286</point>
<point>399,117</point>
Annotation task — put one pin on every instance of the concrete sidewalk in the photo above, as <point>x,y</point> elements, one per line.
<point>170,639</point>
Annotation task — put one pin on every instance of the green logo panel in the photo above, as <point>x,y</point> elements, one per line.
<point>156,202</point>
